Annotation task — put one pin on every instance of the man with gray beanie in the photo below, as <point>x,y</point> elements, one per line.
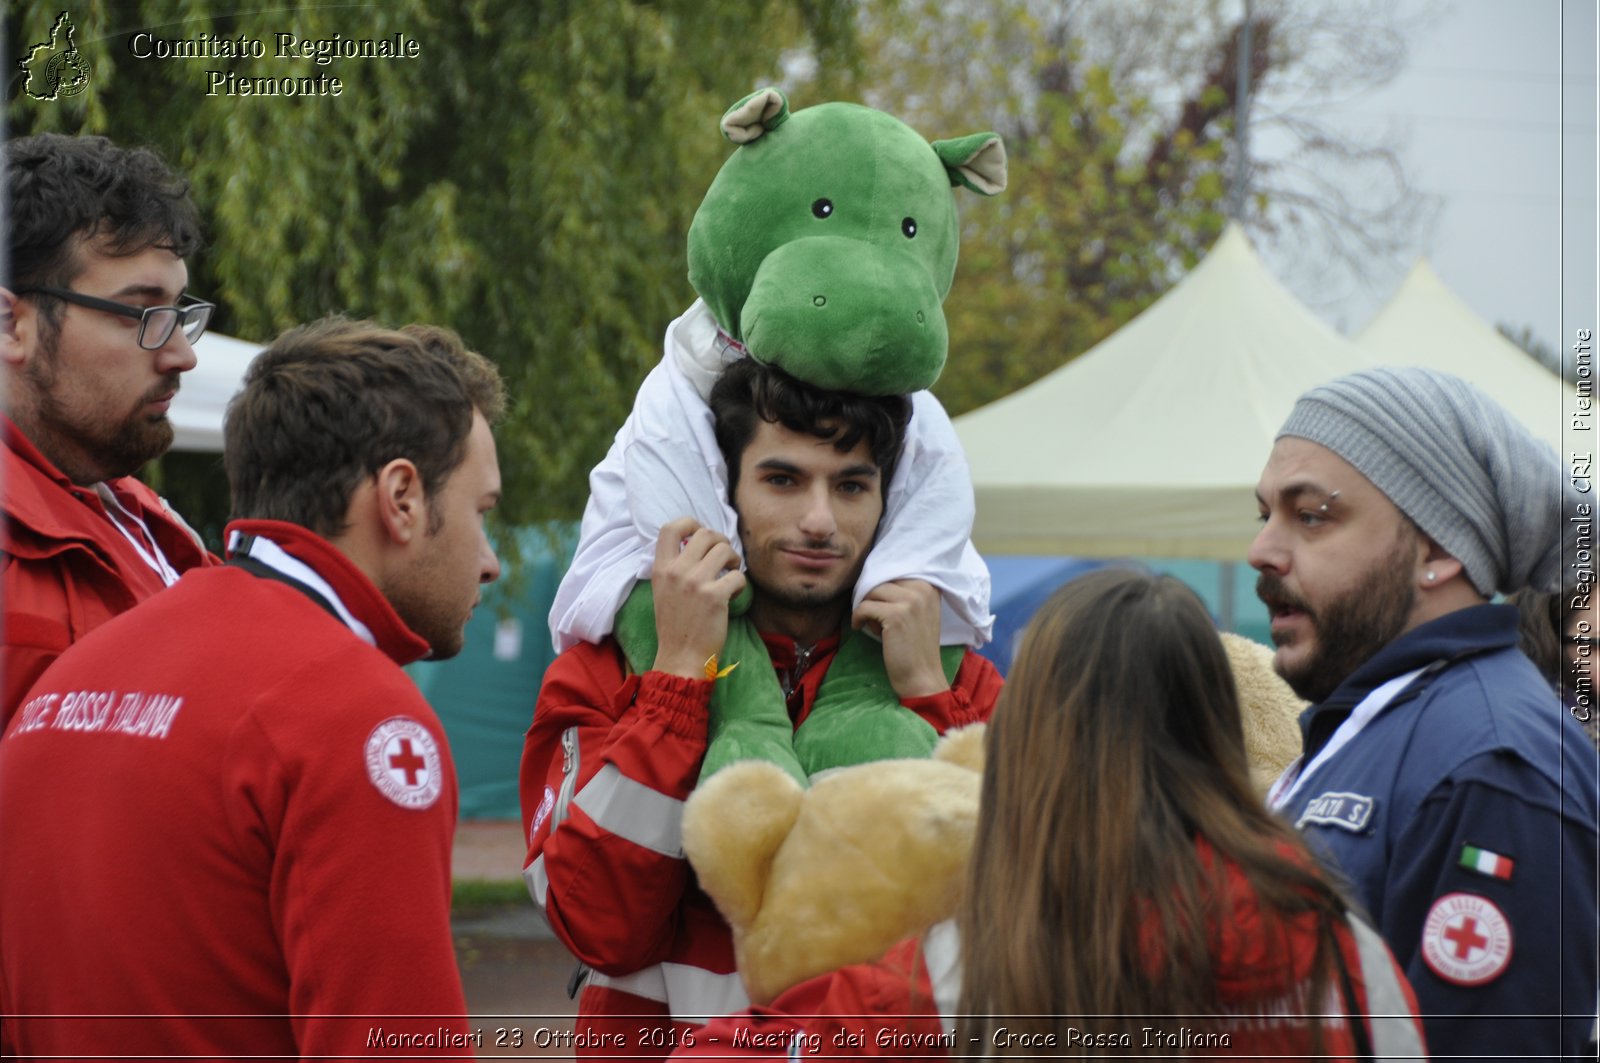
<point>1440,774</point>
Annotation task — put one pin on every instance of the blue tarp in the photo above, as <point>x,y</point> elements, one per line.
<point>1017,587</point>
<point>1020,584</point>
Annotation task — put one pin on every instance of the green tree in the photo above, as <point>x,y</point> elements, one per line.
<point>528,179</point>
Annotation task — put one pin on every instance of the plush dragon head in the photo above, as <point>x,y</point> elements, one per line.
<point>827,242</point>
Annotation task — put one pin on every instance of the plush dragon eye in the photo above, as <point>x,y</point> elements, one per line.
<point>822,208</point>
<point>909,227</point>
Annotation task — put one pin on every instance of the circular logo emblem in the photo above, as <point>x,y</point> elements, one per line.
<point>403,762</point>
<point>1466,939</point>
<point>66,75</point>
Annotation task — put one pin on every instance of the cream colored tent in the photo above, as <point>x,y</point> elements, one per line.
<point>1425,323</point>
<point>1151,443</point>
<point>204,391</point>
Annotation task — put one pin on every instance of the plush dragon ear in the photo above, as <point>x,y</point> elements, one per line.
<point>976,162</point>
<point>761,111</point>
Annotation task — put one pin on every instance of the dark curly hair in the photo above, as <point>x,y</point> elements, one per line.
<point>62,192</point>
<point>749,392</point>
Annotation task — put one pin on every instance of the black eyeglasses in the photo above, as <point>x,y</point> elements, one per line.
<point>156,323</point>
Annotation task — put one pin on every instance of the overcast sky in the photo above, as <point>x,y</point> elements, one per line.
<point>1496,112</point>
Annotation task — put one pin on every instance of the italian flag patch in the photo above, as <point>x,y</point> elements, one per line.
<point>1485,862</point>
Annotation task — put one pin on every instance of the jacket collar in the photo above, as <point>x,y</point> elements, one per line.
<point>355,590</point>
<point>46,513</point>
<point>34,490</point>
<point>1463,633</point>
<point>786,652</point>
<point>800,669</point>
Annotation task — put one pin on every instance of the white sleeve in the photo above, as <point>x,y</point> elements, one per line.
<point>927,528</point>
<point>663,464</point>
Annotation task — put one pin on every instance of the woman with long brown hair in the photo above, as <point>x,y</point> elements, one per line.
<point>1128,892</point>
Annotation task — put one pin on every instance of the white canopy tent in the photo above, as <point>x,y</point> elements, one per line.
<point>1151,443</point>
<point>1425,323</point>
<point>204,391</point>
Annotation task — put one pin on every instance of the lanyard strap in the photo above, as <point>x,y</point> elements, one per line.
<point>126,522</point>
<point>1293,776</point>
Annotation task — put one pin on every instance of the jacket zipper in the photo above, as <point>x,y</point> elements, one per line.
<point>569,774</point>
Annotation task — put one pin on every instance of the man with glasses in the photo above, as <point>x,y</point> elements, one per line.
<point>95,332</point>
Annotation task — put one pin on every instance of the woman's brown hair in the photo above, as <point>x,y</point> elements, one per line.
<point>1117,741</point>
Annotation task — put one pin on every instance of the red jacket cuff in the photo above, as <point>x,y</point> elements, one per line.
<point>681,705</point>
<point>952,705</point>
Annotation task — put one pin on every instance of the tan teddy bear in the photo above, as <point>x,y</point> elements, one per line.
<point>813,880</point>
<point>1270,709</point>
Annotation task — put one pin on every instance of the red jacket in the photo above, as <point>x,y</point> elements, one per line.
<point>227,820</point>
<point>607,765</point>
<point>906,1004</point>
<point>66,567</point>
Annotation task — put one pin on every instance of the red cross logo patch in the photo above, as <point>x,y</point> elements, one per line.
<point>1466,939</point>
<point>403,762</point>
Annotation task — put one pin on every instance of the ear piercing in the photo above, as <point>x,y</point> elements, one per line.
<point>1431,576</point>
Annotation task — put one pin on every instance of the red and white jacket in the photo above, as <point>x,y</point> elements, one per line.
<point>227,819</point>
<point>66,566</point>
<point>608,762</point>
<point>907,1003</point>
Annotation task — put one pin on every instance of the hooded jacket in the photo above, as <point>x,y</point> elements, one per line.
<point>67,568</point>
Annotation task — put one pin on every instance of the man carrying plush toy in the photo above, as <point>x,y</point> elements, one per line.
<point>613,754</point>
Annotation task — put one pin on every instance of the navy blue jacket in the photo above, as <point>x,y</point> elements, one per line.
<point>1477,756</point>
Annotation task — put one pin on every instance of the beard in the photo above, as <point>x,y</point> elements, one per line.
<point>795,595</point>
<point>803,599</point>
<point>423,601</point>
<point>422,604</point>
<point>1350,628</point>
<point>114,449</point>
<point>444,640</point>
<point>126,448</point>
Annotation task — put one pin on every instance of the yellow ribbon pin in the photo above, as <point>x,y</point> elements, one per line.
<point>711,668</point>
